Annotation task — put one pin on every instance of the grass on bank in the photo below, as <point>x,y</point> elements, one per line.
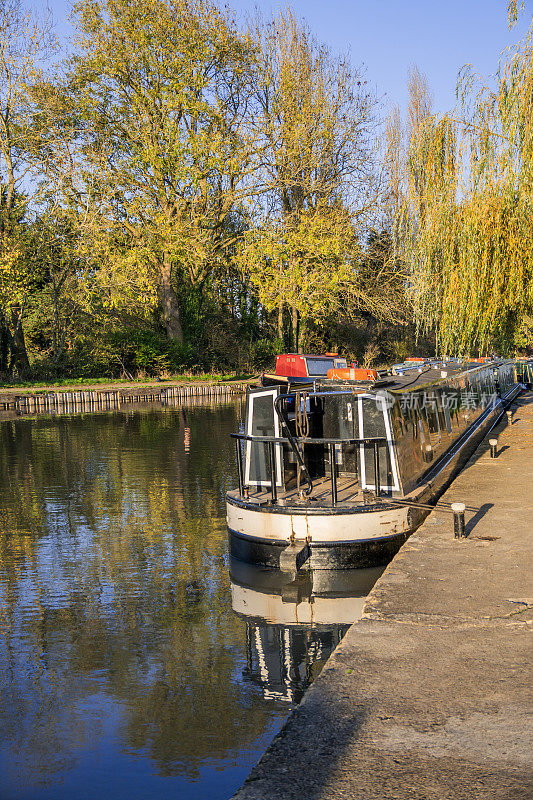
<point>80,383</point>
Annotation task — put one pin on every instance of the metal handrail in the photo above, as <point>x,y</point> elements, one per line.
<point>310,440</point>
<point>292,440</point>
<point>271,441</point>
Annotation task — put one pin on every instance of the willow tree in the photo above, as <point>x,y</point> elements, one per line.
<point>422,167</point>
<point>314,175</point>
<point>145,132</point>
<point>465,220</point>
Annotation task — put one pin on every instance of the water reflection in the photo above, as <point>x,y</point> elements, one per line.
<point>120,659</point>
<point>292,625</point>
<point>124,672</point>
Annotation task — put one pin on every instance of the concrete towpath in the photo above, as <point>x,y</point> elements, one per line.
<point>429,695</point>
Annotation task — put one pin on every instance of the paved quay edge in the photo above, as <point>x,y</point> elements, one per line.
<point>428,695</point>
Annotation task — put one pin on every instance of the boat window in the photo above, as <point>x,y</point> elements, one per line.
<point>318,367</point>
<point>413,421</point>
<point>506,376</point>
<point>442,419</point>
<point>455,405</point>
<point>422,426</point>
<point>430,409</point>
<point>374,422</point>
<point>489,381</point>
<point>401,419</point>
<point>479,387</point>
<point>408,421</point>
<point>446,408</point>
<point>261,420</point>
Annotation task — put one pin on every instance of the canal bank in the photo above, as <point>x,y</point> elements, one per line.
<point>428,695</point>
<point>111,396</point>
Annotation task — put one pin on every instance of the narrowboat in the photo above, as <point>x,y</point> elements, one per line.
<point>302,368</point>
<point>337,469</point>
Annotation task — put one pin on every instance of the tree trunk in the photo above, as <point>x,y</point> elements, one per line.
<point>295,318</point>
<point>280,322</point>
<point>302,333</point>
<point>5,338</point>
<point>169,302</point>
<point>19,354</point>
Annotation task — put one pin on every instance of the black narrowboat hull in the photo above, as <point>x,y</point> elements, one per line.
<point>324,555</point>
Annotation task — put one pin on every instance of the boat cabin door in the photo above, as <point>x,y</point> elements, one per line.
<point>262,420</point>
<point>374,421</point>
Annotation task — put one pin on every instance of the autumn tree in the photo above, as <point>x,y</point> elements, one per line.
<point>315,177</point>
<point>146,131</point>
<point>463,225</point>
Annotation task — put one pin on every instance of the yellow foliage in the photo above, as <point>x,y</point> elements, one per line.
<point>463,220</point>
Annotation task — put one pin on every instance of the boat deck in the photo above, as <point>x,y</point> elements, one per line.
<point>348,492</point>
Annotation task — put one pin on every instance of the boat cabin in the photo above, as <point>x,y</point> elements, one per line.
<point>294,365</point>
<point>381,437</point>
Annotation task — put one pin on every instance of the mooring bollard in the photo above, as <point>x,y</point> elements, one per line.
<point>493,447</point>
<point>459,520</point>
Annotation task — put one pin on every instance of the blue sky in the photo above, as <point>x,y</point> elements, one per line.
<point>388,36</point>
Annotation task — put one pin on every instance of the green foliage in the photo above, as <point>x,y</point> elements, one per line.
<point>128,353</point>
<point>144,135</point>
<point>150,352</point>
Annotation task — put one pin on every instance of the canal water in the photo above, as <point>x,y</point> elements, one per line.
<point>135,660</point>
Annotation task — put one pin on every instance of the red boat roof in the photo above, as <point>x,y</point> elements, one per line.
<point>307,355</point>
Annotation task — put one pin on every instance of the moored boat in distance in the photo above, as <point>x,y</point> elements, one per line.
<point>336,468</point>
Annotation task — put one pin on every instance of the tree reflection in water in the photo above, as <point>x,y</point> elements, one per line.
<point>120,660</point>
<point>123,670</point>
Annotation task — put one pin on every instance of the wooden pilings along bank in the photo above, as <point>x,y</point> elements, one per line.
<point>102,400</point>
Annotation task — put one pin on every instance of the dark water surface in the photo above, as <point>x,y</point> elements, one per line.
<point>124,672</point>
